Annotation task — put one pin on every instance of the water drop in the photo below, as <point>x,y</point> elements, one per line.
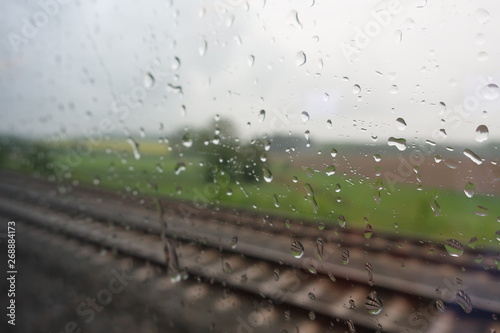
<point>288,315</point>
<point>496,260</point>
<point>312,315</point>
<point>176,63</point>
<point>482,56</point>
<point>297,249</point>
<point>481,211</point>
<point>439,305</point>
<point>469,190</point>
<point>377,157</point>
<point>174,89</point>
<point>312,297</point>
<point>473,242</point>
<point>490,92</point>
<point>482,16</point>
<point>351,327</point>
<point>356,89</point>
<point>454,247</point>
<point>309,189</point>
<point>436,208</point>
<point>482,133</point>
<point>227,268</point>
<point>135,148</point>
<point>276,274</point>
<point>149,81</point>
<point>304,116</point>
<point>473,157</point>
<point>329,124</point>
<point>368,231</point>
<point>275,200</point>
<point>373,303</point>
<point>262,115</point>
<point>319,248</point>
<point>497,234</point>
<point>401,123</point>
<point>398,36</point>
<point>342,221</point>
<point>399,143</point>
<point>216,140</point>
<point>268,176</point>
<point>300,58</point>
<point>369,270</point>
<point>464,301</point>
<point>203,48</point>
<point>234,242</point>
<point>179,167</point>
<point>251,60</point>
<point>267,144</point>
<point>333,152</point>
<point>394,89</point>
<point>330,170</point>
<point>187,140</point>
<point>345,256</point>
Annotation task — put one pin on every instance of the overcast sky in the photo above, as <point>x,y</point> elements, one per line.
<point>235,58</point>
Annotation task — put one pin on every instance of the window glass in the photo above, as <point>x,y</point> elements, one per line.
<point>378,119</point>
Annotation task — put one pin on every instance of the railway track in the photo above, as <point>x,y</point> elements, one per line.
<point>338,280</point>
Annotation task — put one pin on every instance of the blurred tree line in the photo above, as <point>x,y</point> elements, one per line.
<point>26,155</point>
<point>222,151</point>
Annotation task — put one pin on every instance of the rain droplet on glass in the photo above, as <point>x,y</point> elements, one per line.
<point>234,242</point>
<point>330,170</point>
<point>401,123</point>
<point>473,156</point>
<point>454,247</point>
<point>482,16</point>
<point>268,176</point>
<point>297,249</point>
<point>469,190</point>
<point>149,81</point>
<point>304,116</point>
<point>482,133</point>
<point>202,49</point>
<point>490,92</point>
<point>373,303</point>
<point>345,256</point>
<point>300,58</point>
<point>262,115</point>
<point>399,143</point>
<point>251,60</point>
<point>135,148</point>
<point>464,301</point>
<point>368,231</point>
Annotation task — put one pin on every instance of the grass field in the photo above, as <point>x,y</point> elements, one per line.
<point>314,197</point>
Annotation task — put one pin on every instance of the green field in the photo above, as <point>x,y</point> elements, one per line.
<point>406,211</point>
